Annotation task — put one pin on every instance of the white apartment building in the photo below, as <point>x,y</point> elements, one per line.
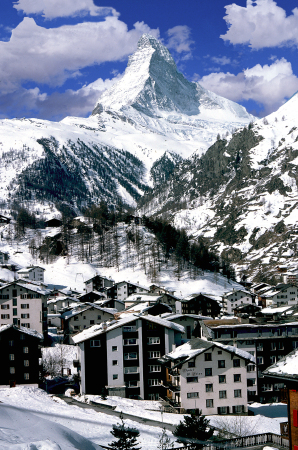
<point>234,299</point>
<point>33,273</point>
<point>212,377</point>
<point>24,304</point>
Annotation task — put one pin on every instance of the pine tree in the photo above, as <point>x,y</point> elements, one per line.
<point>193,431</point>
<point>126,437</point>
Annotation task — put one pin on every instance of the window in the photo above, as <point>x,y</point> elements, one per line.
<point>221,378</point>
<point>154,354</point>
<point>209,403</point>
<point>192,395</point>
<point>260,347</point>
<point>208,372</point>
<point>237,393</point>
<point>273,346</point>
<point>272,359</point>
<point>92,321</point>
<point>115,376</point>
<point>153,381</point>
<point>221,363</point>
<point>130,341</point>
<point>223,410</point>
<point>25,306</point>
<point>25,325</point>
<point>115,362</point>
<point>191,379</point>
<point>133,383</point>
<point>154,368</point>
<point>131,355</point>
<point>236,362</point>
<point>132,369</point>
<point>250,368</point>
<point>280,346</point>
<point>219,352</point>
<point>76,318</point>
<point>12,370</point>
<point>26,362</point>
<point>22,337</point>
<point>14,302</point>
<point>99,317</point>
<point>208,356</point>
<point>191,364</point>
<point>4,306</point>
<point>114,348</point>
<point>260,360</point>
<point>237,378</point>
<point>11,357</point>
<point>25,316</point>
<point>25,349</point>
<point>238,409</point>
<point>222,394</point>
<point>153,340</point>
<point>5,316</point>
<point>10,343</point>
<point>209,387</point>
<point>95,343</point>
<point>15,311</point>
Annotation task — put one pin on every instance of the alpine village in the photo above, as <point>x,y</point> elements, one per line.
<point>149,262</point>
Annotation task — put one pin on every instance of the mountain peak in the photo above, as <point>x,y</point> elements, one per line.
<point>151,85</point>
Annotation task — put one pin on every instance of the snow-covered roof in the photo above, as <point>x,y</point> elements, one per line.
<point>236,290</point>
<point>139,297</point>
<point>29,269</point>
<point>173,316</point>
<point>29,331</point>
<point>285,368</point>
<point>103,328</point>
<point>280,309</point>
<point>133,284</point>
<point>251,325</point>
<point>216,298</point>
<point>28,286</point>
<point>74,312</point>
<point>196,346</point>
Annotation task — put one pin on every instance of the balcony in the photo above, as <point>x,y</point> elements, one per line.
<point>172,387</point>
<point>284,429</point>
<point>129,329</point>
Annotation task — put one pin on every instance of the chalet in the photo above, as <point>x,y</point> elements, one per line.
<point>209,376</point>
<point>82,317</point>
<point>32,273</point>
<point>98,283</point>
<point>282,294</point>
<point>19,354</point>
<point>124,289</point>
<point>201,304</point>
<point>248,309</point>
<point>111,303</point>
<point>91,296</point>
<point>191,323</point>
<point>24,304</point>
<point>53,223</point>
<point>127,350</point>
<point>148,299</point>
<point>60,304</point>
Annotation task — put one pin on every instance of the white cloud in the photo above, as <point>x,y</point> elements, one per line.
<point>221,60</point>
<point>179,40</point>
<point>261,24</point>
<point>269,85</point>
<point>57,105</point>
<point>50,9</point>
<point>50,56</point>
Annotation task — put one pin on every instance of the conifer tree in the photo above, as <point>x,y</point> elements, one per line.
<point>193,431</point>
<point>126,437</point>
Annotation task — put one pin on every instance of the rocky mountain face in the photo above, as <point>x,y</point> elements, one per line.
<point>140,129</point>
<point>241,195</point>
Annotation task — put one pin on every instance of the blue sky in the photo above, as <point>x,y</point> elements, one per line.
<point>57,56</point>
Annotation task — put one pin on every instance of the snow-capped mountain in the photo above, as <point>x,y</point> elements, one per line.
<point>140,128</point>
<point>242,194</point>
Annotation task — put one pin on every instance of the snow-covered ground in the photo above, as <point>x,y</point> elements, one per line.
<point>30,419</point>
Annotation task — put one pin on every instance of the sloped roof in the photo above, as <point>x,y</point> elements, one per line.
<point>25,330</point>
<point>104,328</point>
<point>285,368</point>
<point>196,346</point>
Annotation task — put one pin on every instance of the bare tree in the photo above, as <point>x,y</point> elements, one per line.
<point>234,426</point>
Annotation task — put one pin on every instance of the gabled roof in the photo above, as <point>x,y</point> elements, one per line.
<point>28,331</point>
<point>216,298</point>
<point>236,290</point>
<point>133,284</point>
<point>196,346</point>
<point>285,368</point>
<point>28,286</point>
<point>99,276</point>
<point>74,312</point>
<point>29,269</point>
<point>96,330</point>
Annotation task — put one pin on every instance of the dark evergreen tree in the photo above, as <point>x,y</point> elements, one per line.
<point>126,437</point>
<point>193,431</point>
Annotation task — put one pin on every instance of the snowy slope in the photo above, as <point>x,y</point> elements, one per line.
<point>242,193</point>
